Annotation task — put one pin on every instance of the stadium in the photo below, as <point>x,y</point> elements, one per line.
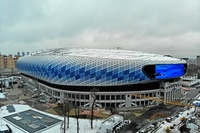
<point>111,76</point>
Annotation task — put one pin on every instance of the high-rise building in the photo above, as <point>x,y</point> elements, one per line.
<point>8,61</point>
<point>23,53</point>
<point>18,53</point>
<point>198,60</point>
<point>1,61</point>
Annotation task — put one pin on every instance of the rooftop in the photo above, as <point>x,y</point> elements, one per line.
<point>104,53</point>
<point>29,120</point>
<point>32,121</point>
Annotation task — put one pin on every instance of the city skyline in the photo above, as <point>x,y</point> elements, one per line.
<point>161,27</point>
<point>27,53</point>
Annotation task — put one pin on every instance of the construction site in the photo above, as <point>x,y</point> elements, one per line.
<point>140,117</point>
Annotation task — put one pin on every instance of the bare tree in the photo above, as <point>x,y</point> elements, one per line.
<point>93,94</point>
<point>63,125</point>
<point>66,108</point>
<point>68,113</point>
<point>76,106</point>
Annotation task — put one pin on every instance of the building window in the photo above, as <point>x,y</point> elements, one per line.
<point>112,97</point>
<point>77,96</point>
<point>107,97</point>
<point>118,97</point>
<point>102,97</point>
<point>73,96</point>
<point>55,93</point>
<point>82,96</point>
<point>87,97</point>
<point>97,97</point>
<point>65,95</point>
<point>50,91</point>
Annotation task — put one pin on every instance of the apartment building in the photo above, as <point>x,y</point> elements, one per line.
<point>8,61</point>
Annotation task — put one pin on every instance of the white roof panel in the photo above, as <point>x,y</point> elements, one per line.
<point>105,53</point>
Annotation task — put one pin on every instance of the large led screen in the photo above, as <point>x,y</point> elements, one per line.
<point>165,71</point>
<point>169,71</point>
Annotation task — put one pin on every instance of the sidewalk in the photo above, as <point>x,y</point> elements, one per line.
<point>14,95</point>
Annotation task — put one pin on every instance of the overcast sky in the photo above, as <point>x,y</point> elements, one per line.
<point>154,26</point>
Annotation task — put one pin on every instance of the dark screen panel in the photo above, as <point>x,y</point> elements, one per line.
<point>149,71</point>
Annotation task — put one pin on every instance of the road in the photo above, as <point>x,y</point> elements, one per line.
<point>143,120</point>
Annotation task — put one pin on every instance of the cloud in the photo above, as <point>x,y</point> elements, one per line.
<point>112,40</point>
<point>148,25</point>
<point>162,45</point>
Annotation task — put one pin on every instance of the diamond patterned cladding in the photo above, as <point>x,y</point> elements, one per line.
<point>78,72</point>
<point>90,74</point>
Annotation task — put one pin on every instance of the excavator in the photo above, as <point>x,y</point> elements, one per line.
<point>157,114</point>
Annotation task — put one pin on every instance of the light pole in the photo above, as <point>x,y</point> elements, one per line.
<point>1,83</point>
<point>64,110</point>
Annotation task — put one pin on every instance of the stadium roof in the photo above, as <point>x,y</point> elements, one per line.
<point>104,53</point>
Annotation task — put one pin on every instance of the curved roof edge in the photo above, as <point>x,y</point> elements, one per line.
<point>104,53</point>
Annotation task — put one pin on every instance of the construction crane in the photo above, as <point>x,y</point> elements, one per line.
<point>161,100</point>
